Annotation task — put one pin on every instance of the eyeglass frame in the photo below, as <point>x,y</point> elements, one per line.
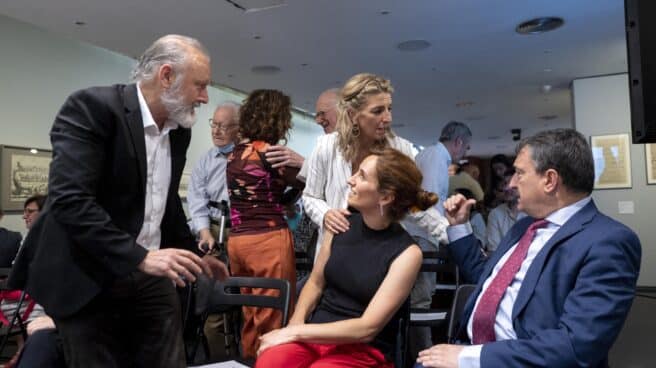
<point>219,127</point>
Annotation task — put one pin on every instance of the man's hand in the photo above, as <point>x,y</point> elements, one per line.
<point>219,269</point>
<point>279,156</point>
<point>175,264</point>
<point>440,356</point>
<point>335,220</point>
<point>276,337</point>
<point>40,323</point>
<point>206,238</point>
<point>457,209</point>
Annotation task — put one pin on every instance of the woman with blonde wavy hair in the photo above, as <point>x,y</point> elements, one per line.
<point>347,313</point>
<point>363,126</point>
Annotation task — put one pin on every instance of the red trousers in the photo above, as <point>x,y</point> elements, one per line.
<point>302,355</point>
<point>270,254</point>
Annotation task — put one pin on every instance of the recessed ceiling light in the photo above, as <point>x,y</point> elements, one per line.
<point>80,23</point>
<point>265,69</point>
<point>384,12</point>
<point>545,88</point>
<point>462,104</point>
<point>34,151</point>
<point>539,25</point>
<point>413,45</point>
<point>547,70</point>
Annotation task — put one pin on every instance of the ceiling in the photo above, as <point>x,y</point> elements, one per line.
<point>477,69</point>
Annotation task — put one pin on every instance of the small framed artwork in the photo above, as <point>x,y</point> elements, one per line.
<point>184,185</point>
<point>650,160</point>
<point>23,173</point>
<point>612,161</point>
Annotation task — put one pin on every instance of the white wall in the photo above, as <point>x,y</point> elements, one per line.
<point>601,106</point>
<point>38,70</point>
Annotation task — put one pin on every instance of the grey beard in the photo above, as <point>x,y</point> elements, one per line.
<point>175,106</point>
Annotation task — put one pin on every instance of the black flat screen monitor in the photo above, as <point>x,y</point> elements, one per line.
<point>640,16</point>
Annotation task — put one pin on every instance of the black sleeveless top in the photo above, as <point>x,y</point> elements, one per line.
<point>358,263</point>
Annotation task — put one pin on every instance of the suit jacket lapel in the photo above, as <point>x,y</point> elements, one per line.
<point>136,129</point>
<point>575,224</point>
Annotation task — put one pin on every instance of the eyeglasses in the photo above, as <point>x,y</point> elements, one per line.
<point>29,211</point>
<point>223,128</point>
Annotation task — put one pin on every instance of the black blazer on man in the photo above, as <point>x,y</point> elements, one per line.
<point>85,237</point>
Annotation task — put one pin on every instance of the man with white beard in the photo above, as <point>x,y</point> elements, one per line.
<point>112,241</point>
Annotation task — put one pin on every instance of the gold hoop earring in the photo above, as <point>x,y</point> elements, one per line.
<point>355,130</point>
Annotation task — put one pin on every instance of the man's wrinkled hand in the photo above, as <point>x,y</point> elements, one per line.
<point>279,156</point>
<point>440,356</point>
<point>176,264</point>
<point>457,209</point>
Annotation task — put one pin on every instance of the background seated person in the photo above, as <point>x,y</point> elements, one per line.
<point>361,276</point>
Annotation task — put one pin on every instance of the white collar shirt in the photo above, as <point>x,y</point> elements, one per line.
<point>158,177</point>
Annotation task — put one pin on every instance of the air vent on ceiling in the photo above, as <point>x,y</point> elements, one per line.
<point>250,6</point>
<point>539,25</point>
<point>265,69</point>
<point>413,45</point>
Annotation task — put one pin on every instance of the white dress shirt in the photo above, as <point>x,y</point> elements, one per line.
<point>503,325</point>
<point>158,178</point>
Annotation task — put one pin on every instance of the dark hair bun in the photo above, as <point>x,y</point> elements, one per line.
<point>426,199</point>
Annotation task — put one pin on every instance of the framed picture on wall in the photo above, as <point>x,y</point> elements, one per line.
<point>23,173</point>
<point>650,160</point>
<point>612,161</point>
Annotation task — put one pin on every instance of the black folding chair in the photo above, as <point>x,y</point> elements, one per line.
<point>446,273</point>
<point>215,297</point>
<point>16,325</point>
<point>463,292</point>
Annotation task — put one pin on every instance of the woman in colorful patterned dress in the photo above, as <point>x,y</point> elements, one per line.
<point>260,242</point>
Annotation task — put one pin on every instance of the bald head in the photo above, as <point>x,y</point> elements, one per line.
<point>326,110</point>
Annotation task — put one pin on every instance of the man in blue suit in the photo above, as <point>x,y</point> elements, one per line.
<point>560,285</point>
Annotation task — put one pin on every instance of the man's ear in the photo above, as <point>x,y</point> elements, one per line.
<point>551,180</point>
<point>166,76</point>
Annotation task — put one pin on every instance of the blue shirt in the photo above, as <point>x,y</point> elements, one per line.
<point>208,183</point>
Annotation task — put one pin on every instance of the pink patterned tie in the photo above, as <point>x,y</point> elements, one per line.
<point>486,312</point>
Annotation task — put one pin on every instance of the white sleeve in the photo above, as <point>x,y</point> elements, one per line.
<point>314,199</point>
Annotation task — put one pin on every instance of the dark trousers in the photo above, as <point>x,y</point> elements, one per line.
<point>135,323</point>
<point>42,350</point>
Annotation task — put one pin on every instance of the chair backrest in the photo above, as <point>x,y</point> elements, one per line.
<point>227,293</point>
<point>440,262</point>
<point>463,292</point>
<point>401,348</point>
